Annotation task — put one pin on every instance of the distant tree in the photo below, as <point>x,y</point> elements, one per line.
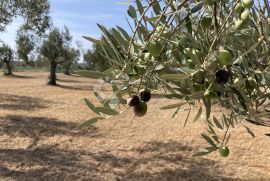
<point>25,44</point>
<point>71,56</point>
<point>41,62</point>
<point>52,49</point>
<point>6,56</point>
<point>35,13</point>
<point>95,59</point>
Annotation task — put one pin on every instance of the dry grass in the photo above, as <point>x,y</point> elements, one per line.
<point>39,139</point>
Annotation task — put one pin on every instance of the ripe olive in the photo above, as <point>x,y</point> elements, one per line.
<point>225,57</point>
<point>222,76</point>
<point>133,101</point>
<point>224,151</point>
<point>140,109</point>
<point>145,95</point>
<point>154,48</point>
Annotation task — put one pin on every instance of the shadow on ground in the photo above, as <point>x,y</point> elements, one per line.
<point>36,128</point>
<point>90,87</point>
<point>26,103</point>
<point>70,81</point>
<point>152,161</point>
<point>21,77</point>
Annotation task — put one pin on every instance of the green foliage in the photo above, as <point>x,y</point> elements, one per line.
<point>70,55</point>
<point>6,56</point>
<point>222,63</point>
<point>52,46</point>
<point>25,44</point>
<point>35,13</point>
<point>53,49</point>
<point>95,58</point>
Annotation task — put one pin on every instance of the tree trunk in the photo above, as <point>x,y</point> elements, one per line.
<point>8,71</point>
<point>52,77</point>
<point>67,71</point>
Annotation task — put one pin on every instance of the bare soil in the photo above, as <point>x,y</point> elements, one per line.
<point>39,138</point>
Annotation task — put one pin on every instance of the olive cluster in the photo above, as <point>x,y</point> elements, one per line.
<point>244,15</point>
<point>139,102</point>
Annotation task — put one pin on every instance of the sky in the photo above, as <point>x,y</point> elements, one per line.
<point>80,16</point>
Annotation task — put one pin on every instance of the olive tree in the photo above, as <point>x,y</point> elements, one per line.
<point>34,12</point>
<point>52,49</point>
<point>25,41</point>
<point>6,56</point>
<point>95,58</point>
<point>71,56</point>
<point>201,54</point>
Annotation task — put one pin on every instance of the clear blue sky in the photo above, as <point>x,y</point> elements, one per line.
<point>80,16</point>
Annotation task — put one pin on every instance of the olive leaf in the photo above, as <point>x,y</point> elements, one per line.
<point>90,122</point>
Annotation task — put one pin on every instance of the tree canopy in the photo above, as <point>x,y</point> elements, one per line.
<point>95,58</point>
<point>34,12</point>
<point>25,41</point>
<point>6,56</point>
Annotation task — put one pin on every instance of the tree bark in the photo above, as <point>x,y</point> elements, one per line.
<point>8,71</point>
<point>67,71</point>
<point>52,77</point>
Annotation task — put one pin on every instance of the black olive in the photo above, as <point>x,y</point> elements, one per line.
<point>133,101</point>
<point>140,109</point>
<point>222,76</point>
<point>145,95</point>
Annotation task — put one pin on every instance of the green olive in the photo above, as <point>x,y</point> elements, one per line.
<point>245,16</point>
<point>248,3</point>
<point>252,82</point>
<point>225,57</point>
<point>239,24</point>
<point>224,151</point>
<point>239,8</point>
<point>155,48</point>
<point>206,21</point>
<point>190,63</point>
<point>158,29</point>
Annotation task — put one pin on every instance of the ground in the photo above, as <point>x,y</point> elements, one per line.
<point>39,138</point>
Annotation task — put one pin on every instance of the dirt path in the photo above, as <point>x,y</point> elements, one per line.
<point>39,139</point>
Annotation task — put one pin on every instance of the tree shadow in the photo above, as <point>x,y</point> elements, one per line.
<point>21,76</point>
<point>85,87</point>
<point>151,161</point>
<point>26,103</point>
<point>70,81</point>
<point>38,127</point>
<point>79,88</point>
